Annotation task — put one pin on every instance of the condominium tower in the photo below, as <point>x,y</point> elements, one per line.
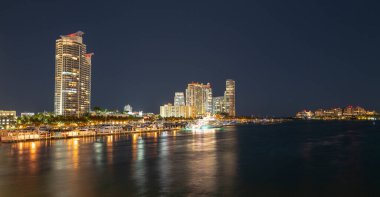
<point>72,76</point>
<point>218,105</point>
<point>229,98</point>
<point>179,99</point>
<point>199,97</point>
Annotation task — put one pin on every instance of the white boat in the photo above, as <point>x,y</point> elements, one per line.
<point>207,122</point>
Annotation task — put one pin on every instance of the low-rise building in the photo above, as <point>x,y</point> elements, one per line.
<point>27,114</point>
<point>178,111</point>
<point>334,112</point>
<point>305,114</point>
<point>371,113</point>
<point>318,112</point>
<point>354,111</point>
<point>7,119</point>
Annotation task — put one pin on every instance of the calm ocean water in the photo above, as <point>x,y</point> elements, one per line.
<point>298,158</point>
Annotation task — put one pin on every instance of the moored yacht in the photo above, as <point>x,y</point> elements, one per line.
<point>205,123</point>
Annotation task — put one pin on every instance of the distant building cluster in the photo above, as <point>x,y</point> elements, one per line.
<point>199,102</point>
<point>336,113</point>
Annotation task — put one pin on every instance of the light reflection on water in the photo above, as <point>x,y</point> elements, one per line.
<point>292,158</point>
<point>146,163</point>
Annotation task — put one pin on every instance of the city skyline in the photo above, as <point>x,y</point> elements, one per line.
<point>189,98</point>
<point>281,61</point>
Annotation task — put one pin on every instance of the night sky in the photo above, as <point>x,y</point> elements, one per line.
<point>285,56</point>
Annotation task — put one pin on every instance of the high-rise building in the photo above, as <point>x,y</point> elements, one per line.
<point>229,97</point>
<point>72,76</point>
<point>218,105</point>
<point>179,99</point>
<point>199,97</point>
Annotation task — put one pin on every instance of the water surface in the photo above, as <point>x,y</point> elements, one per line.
<point>290,159</point>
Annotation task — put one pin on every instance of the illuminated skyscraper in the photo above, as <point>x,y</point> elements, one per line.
<point>72,76</point>
<point>179,99</point>
<point>229,97</point>
<point>199,96</point>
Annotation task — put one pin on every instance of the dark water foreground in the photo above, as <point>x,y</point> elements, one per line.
<point>289,159</point>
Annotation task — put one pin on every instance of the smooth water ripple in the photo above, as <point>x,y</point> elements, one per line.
<point>289,159</point>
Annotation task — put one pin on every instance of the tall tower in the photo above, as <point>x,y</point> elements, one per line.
<point>229,97</point>
<point>199,96</point>
<point>72,76</point>
<point>179,99</point>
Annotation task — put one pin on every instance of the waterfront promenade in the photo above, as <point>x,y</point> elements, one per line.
<point>9,136</point>
<point>19,136</point>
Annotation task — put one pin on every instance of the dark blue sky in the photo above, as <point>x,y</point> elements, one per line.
<point>284,55</point>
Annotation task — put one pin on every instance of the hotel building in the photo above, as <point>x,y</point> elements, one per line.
<point>72,76</point>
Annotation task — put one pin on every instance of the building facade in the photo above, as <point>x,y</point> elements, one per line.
<point>218,105</point>
<point>179,99</point>
<point>177,111</point>
<point>7,119</point>
<point>72,76</point>
<point>229,98</point>
<point>305,114</point>
<point>199,97</point>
